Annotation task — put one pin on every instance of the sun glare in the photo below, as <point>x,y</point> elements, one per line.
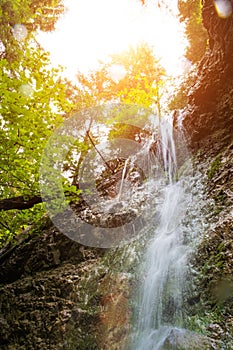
<point>92,30</point>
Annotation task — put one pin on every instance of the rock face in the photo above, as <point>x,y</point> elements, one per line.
<point>43,299</point>
<point>208,120</point>
<point>210,98</point>
<point>214,258</point>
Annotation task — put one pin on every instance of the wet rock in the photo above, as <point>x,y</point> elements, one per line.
<point>49,310</point>
<point>38,253</point>
<point>47,293</point>
<point>114,317</point>
<point>181,339</point>
<point>208,121</point>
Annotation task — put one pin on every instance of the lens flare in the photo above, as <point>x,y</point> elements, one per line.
<point>117,72</point>
<point>104,222</point>
<point>19,32</point>
<point>26,90</point>
<point>104,28</point>
<point>223,8</point>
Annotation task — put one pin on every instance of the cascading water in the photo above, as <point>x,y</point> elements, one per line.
<point>165,270</point>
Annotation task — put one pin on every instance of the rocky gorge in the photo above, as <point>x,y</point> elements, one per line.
<point>57,294</point>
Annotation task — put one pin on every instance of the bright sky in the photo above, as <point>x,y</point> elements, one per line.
<point>90,30</point>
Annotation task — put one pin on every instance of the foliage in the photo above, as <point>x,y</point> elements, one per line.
<point>139,81</point>
<point>32,15</point>
<point>214,167</point>
<point>131,79</point>
<point>190,12</point>
<point>33,100</point>
<point>140,85</point>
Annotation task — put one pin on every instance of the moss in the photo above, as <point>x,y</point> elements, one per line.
<point>75,341</point>
<point>214,167</point>
<point>221,200</point>
<point>199,323</point>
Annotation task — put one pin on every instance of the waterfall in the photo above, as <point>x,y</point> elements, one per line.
<point>165,267</point>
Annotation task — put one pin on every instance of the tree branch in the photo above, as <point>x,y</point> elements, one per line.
<point>19,203</point>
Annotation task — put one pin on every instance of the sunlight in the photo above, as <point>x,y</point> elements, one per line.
<point>91,30</point>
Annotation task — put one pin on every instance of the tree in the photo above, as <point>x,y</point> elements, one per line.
<point>25,17</point>
<point>191,13</point>
<point>34,100</point>
<point>139,81</point>
<point>132,79</point>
